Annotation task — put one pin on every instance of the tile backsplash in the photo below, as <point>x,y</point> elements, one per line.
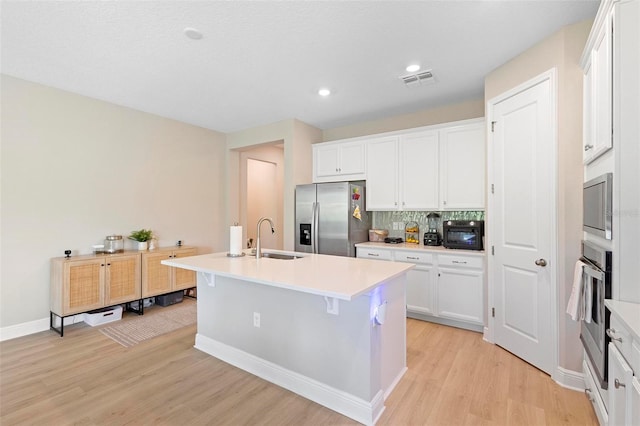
<point>385,220</point>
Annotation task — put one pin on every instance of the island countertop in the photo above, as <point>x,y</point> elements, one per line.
<point>343,278</point>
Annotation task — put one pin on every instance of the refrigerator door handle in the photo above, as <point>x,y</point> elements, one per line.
<point>316,219</point>
<point>313,228</point>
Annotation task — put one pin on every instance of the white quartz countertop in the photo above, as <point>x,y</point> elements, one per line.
<point>629,314</point>
<point>421,247</point>
<point>343,278</point>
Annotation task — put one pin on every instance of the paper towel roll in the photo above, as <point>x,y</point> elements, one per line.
<point>235,240</point>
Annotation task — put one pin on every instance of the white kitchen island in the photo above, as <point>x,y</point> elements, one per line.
<point>310,325</point>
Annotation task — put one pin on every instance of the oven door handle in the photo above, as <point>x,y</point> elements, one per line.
<point>593,272</point>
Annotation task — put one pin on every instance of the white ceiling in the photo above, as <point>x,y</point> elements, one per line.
<point>264,61</point>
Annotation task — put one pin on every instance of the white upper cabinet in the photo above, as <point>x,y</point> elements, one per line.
<point>398,179</point>
<point>338,161</point>
<point>419,171</point>
<point>438,169</point>
<point>597,91</point>
<point>382,179</point>
<point>462,168</point>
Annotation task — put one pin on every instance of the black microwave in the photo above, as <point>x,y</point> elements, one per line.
<point>597,202</point>
<point>463,234</point>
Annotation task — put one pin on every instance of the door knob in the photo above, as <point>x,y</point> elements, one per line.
<point>541,262</point>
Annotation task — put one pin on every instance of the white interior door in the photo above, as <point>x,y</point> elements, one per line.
<point>522,221</point>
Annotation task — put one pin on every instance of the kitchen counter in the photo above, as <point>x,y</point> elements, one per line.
<point>420,247</point>
<point>343,278</point>
<point>331,329</point>
<point>628,313</point>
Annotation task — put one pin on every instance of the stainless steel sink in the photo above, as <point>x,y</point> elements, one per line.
<point>280,256</point>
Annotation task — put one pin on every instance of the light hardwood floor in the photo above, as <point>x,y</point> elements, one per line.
<point>85,378</point>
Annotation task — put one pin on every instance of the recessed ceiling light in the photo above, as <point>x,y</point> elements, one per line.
<point>413,68</point>
<point>192,33</point>
<point>324,92</point>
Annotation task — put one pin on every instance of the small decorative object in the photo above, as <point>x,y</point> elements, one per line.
<point>142,237</point>
<point>152,243</point>
<point>67,253</point>
<point>411,230</point>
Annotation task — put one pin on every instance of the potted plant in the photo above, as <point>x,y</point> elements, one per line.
<point>143,236</point>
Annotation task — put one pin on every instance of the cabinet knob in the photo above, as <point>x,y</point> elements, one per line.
<point>337,170</point>
<point>108,264</point>
<point>618,385</point>
<point>588,147</point>
<point>444,203</point>
<point>611,332</point>
<point>102,264</point>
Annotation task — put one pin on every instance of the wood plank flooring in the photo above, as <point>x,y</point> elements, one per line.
<point>85,378</point>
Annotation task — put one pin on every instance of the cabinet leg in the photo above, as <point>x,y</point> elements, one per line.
<point>139,310</point>
<point>60,330</point>
<point>191,292</point>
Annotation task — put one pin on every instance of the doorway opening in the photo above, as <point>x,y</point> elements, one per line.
<point>261,193</point>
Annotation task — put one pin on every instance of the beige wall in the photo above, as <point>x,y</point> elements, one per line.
<point>454,112</point>
<point>76,169</point>
<point>297,138</point>
<point>562,50</point>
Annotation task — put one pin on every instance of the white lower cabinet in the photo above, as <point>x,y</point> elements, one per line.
<point>620,388</point>
<point>460,294</point>
<point>420,286</point>
<point>591,389</point>
<point>624,363</point>
<point>444,288</point>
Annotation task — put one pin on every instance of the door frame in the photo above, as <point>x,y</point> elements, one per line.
<point>489,335</point>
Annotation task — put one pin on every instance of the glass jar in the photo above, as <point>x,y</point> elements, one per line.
<point>113,244</point>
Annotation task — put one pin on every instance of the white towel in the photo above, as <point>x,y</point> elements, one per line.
<point>576,305</point>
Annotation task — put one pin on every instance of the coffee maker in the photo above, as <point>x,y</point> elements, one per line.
<point>432,237</point>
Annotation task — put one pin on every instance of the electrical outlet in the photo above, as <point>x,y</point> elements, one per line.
<point>256,319</point>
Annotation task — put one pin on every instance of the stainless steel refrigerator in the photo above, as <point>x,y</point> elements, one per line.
<point>331,218</point>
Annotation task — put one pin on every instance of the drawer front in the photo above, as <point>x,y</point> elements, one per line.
<point>372,253</point>
<point>460,261</point>
<point>620,337</point>
<point>413,257</point>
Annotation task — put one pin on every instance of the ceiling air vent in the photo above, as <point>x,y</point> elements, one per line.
<point>425,77</point>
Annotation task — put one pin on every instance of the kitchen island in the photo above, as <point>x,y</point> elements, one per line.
<point>329,328</point>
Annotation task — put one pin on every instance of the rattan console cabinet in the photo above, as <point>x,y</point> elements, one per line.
<point>84,283</point>
<point>160,279</point>
<point>88,282</point>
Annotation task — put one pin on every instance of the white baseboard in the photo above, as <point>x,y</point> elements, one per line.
<point>23,329</point>
<point>569,379</point>
<point>36,326</point>
<point>366,412</point>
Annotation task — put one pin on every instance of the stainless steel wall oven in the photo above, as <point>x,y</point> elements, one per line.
<point>596,276</point>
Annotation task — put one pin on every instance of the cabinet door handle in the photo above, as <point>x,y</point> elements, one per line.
<point>373,254</point>
<point>618,384</point>
<point>459,262</point>
<point>102,264</point>
<point>611,332</point>
<point>413,258</point>
<point>588,147</point>
<point>108,264</point>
